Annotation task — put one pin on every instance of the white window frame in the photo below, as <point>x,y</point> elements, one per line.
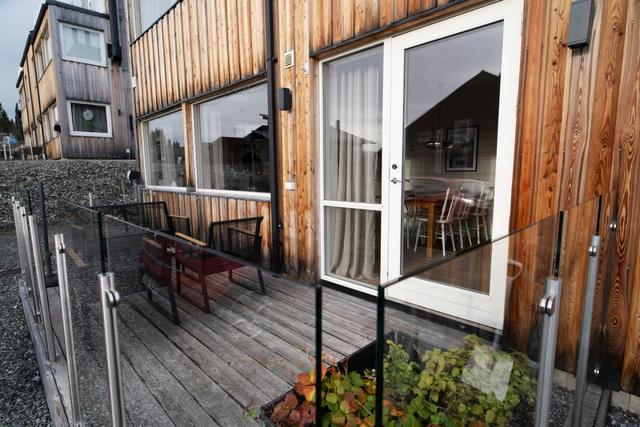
<point>384,175</point>
<point>103,46</point>
<point>72,132</point>
<point>53,119</point>
<point>46,123</point>
<point>234,194</point>
<point>144,129</point>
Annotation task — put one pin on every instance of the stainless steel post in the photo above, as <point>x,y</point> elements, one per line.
<point>17,223</point>
<point>550,308</point>
<point>32,290</point>
<point>585,334</point>
<point>67,327</point>
<point>42,290</point>
<point>110,299</point>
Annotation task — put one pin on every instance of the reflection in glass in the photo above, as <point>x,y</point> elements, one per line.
<point>452,91</point>
<point>164,150</point>
<point>233,142</point>
<point>89,118</point>
<point>82,44</point>
<point>353,244</point>
<point>147,12</point>
<point>353,127</point>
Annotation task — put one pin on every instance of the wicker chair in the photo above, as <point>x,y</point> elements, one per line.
<point>239,238</point>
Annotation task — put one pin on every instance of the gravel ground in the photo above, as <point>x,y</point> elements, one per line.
<point>620,418</point>
<point>22,399</point>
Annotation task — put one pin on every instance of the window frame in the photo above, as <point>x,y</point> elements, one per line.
<point>53,119</point>
<point>103,46</point>
<point>247,195</point>
<point>323,203</point>
<point>144,130</point>
<point>46,124</point>
<point>72,132</point>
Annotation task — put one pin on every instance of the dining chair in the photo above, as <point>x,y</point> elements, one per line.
<point>451,201</point>
<point>409,218</point>
<point>461,218</point>
<point>480,212</point>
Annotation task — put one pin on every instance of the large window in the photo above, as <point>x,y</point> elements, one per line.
<point>83,45</point>
<point>89,119</point>
<point>164,151</point>
<point>147,12</point>
<point>43,54</point>
<point>232,142</point>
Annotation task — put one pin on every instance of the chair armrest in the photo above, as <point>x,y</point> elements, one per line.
<point>152,242</point>
<point>179,217</point>
<point>191,240</point>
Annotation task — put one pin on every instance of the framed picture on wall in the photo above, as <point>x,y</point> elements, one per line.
<point>462,149</point>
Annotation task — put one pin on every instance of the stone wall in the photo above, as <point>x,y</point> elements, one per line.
<point>70,180</point>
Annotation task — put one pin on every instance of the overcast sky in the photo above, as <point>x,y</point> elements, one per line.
<point>17,18</point>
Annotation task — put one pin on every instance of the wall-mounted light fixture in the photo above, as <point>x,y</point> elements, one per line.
<point>284,99</point>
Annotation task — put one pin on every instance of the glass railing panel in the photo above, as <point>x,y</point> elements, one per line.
<point>205,334</point>
<point>80,227</point>
<point>462,336</point>
<point>586,278</point>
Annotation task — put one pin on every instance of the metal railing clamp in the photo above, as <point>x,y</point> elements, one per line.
<point>113,297</point>
<point>548,305</point>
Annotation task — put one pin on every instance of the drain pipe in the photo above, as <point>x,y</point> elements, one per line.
<point>276,225</point>
<point>116,49</point>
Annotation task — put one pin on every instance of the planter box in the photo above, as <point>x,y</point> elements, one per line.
<point>364,358</point>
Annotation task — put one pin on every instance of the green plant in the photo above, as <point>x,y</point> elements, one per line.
<point>475,385</point>
<point>400,373</point>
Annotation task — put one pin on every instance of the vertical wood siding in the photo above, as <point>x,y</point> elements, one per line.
<point>198,47</point>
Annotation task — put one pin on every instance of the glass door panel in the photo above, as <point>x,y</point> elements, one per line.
<point>352,166</point>
<point>452,135</point>
<point>452,91</point>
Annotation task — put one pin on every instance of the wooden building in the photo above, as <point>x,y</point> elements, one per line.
<point>392,101</point>
<point>75,81</point>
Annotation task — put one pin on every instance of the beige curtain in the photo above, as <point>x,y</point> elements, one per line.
<point>355,106</point>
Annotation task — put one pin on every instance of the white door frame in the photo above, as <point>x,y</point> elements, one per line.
<point>471,306</point>
<point>482,309</point>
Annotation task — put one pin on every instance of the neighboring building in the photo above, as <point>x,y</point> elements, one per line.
<point>389,99</point>
<point>75,83</point>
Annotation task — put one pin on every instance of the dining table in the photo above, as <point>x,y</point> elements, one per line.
<point>427,203</point>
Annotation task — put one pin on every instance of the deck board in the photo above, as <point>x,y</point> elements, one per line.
<point>217,368</point>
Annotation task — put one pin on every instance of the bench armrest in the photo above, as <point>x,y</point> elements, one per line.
<point>191,240</point>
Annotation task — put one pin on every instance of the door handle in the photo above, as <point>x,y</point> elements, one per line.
<point>395,180</point>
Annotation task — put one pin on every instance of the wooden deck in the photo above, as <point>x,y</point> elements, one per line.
<point>220,368</point>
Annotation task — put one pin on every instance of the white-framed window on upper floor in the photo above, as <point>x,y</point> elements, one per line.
<point>53,120</point>
<point>231,136</point>
<point>43,54</point>
<point>89,119</point>
<point>80,44</point>
<point>164,151</point>
<point>147,12</point>
<point>95,5</point>
<point>47,126</point>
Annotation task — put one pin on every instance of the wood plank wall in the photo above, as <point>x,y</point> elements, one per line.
<point>578,139</point>
<point>198,47</point>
